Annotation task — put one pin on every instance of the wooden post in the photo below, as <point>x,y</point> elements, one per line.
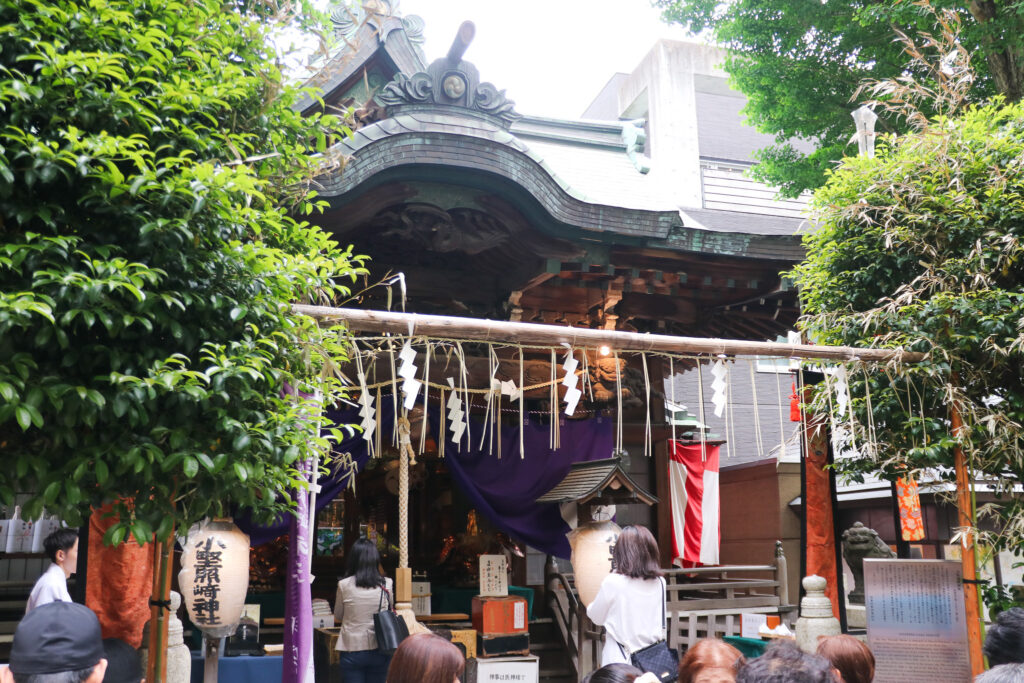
<point>968,560</point>
<point>211,647</point>
<point>156,662</point>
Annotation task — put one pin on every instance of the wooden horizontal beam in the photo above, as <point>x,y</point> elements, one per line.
<point>502,331</point>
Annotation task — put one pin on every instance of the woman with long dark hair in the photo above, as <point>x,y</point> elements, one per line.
<point>362,593</point>
<point>425,658</point>
<point>630,603</point>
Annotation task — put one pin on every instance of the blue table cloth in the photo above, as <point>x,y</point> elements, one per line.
<point>242,669</point>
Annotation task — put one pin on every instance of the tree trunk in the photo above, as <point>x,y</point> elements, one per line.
<point>1004,64</point>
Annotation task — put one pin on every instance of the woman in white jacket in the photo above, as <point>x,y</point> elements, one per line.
<point>630,602</point>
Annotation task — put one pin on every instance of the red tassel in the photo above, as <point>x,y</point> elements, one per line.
<point>794,405</point>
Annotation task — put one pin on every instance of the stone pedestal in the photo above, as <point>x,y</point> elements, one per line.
<point>816,618</point>
<point>856,616</point>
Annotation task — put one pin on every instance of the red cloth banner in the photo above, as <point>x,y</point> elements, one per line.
<point>119,582</point>
<point>911,523</point>
<point>696,504</point>
<point>821,538</point>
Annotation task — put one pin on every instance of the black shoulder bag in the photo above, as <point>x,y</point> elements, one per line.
<point>657,658</point>
<point>388,626</point>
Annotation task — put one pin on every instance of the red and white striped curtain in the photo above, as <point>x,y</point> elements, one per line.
<point>696,504</point>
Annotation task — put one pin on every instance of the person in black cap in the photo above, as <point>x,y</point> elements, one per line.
<point>123,662</point>
<point>59,642</point>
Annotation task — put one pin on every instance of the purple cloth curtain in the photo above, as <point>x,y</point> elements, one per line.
<point>505,490</point>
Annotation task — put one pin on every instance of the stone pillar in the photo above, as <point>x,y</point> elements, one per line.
<point>816,618</point>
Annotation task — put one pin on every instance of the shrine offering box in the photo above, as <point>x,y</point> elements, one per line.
<point>499,615</point>
<point>503,670</point>
<point>466,638</point>
<point>503,645</point>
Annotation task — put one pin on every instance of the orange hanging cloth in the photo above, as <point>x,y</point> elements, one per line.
<point>911,523</point>
<point>119,582</point>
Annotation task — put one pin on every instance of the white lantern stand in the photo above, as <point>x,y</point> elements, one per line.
<point>864,118</point>
<point>214,580</point>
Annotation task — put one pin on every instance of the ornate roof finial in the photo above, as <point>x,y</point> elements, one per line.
<point>451,81</point>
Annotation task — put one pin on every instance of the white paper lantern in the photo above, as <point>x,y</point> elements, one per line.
<point>214,576</point>
<point>592,556</point>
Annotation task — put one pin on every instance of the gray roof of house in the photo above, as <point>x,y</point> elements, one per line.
<point>722,129</point>
<point>748,223</point>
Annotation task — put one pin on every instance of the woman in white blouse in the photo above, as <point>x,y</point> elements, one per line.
<point>630,602</point>
<point>360,596</point>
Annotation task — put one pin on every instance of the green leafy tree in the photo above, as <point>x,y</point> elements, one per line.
<point>800,62</point>
<point>151,165</point>
<point>922,247</point>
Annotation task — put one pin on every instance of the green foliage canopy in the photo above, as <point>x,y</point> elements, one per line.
<point>799,63</point>
<point>921,247</point>
<point>150,167</point>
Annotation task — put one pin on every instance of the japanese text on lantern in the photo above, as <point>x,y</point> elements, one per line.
<point>206,586</point>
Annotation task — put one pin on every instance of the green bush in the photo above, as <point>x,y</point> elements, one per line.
<point>920,247</point>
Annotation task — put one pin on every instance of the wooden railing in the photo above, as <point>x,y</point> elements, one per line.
<point>703,602</point>
<point>583,640</point>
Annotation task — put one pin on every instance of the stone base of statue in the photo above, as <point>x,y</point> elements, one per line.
<point>816,618</point>
<point>856,616</point>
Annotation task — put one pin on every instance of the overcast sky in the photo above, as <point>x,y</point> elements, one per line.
<point>552,56</point>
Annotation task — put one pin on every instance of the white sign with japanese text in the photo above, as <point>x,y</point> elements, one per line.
<point>493,575</point>
<point>917,629</point>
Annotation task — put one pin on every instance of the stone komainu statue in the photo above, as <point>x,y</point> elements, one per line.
<point>859,542</point>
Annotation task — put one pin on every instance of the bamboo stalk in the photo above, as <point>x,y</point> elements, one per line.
<point>156,663</point>
<point>968,559</point>
<point>451,327</point>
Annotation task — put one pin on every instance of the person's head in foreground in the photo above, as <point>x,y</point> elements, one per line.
<point>61,546</point>
<point>59,642</point>
<point>425,658</point>
<point>784,662</point>
<point>1004,673</point>
<point>124,665</point>
<point>620,673</point>
<point>710,661</point>
<point>849,656</point>
<point>1004,640</point>
<point>635,553</point>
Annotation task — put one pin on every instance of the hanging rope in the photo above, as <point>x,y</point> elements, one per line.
<point>703,425</point>
<point>618,411</point>
<point>729,436</point>
<point>871,434</point>
<point>426,393</point>
<point>552,403</point>
<point>465,388</point>
<point>522,406</point>
<point>758,440</point>
<point>648,439</point>
<point>672,392</point>
<point>782,424</point>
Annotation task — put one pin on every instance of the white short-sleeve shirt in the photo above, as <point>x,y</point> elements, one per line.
<point>52,586</point>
